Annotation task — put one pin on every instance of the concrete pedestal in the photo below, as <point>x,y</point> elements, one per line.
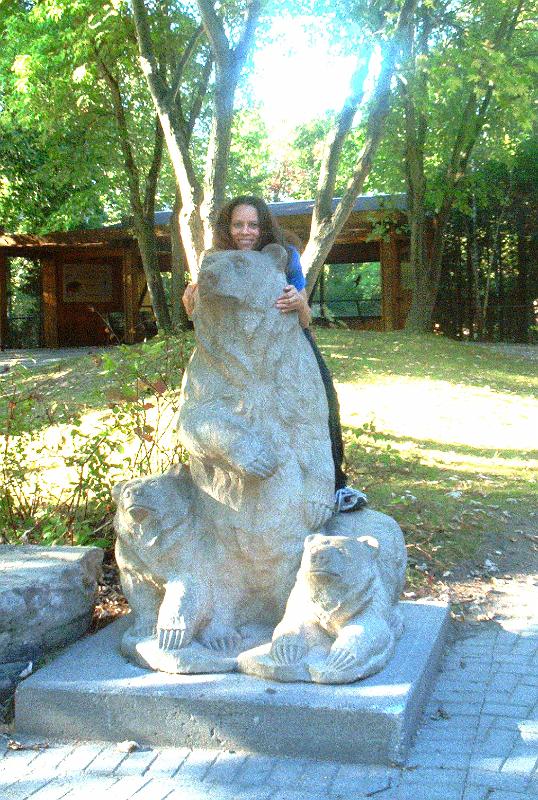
<point>92,692</point>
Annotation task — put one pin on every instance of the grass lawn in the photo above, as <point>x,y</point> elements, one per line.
<point>441,435</point>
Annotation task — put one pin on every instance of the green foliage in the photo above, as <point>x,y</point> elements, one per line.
<point>24,305</point>
<point>70,434</point>
<point>351,290</point>
<point>249,155</point>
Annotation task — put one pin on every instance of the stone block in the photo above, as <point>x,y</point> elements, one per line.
<point>91,691</point>
<point>47,597</point>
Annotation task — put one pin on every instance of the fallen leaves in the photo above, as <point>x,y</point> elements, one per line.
<point>13,744</point>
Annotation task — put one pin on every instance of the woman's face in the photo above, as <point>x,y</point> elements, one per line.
<point>245,227</point>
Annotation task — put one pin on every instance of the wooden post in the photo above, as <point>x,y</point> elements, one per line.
<point>130,296</point>
<point>390,282</point>
<point>50,289</point>
<point>4,272</point>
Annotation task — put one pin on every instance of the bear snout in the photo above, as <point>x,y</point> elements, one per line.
<point>325,560</point>
<point>137,513</point>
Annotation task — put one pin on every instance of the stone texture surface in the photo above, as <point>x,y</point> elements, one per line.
<point>342,619</point>
<point>461,754</point>
<point>208,555</point>
<point>91,692</point>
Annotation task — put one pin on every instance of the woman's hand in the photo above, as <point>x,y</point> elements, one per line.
<point>189,296</point>
<point>292,300</point>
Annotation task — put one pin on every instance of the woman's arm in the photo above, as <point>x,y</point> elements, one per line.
<point>188,298</point>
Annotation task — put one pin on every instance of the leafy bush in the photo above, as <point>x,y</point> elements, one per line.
<point>60,457</point>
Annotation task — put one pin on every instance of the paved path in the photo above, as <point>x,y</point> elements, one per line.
<point>478,740</point>
<point>528,351</point>
<point>42,357</point>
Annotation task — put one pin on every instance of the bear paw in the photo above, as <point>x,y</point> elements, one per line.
<point>171,638</point>
<point>341,667</point>
<point>288,649</point>
<point>317,514</point>
<point>220,638</point>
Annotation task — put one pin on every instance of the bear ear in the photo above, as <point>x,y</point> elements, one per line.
<point>175,470</point>
<point>116,491</point>
<point>278,253</point>
<point>371,543</point>
<point>181,473</point>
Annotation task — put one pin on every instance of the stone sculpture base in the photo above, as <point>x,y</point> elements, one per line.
<point>92,692</point>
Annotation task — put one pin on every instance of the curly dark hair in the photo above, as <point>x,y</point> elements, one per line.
<point>270,231</point>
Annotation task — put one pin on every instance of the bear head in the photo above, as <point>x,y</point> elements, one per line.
<point>250,278</point>
<point>148,508</point>
<point>344,565</point>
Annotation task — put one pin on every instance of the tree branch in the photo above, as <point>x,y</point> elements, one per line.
<point>154,171</point>
<point>215,32</point>
<point>245,42</point>
<point>198,99</point>
<point>182,63</point>
<point>133,175</point>
<point>336,139</point>
<point>228,66</point>
<point>147,56</point>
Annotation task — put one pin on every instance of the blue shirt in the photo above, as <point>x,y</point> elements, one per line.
<point>294,270</point>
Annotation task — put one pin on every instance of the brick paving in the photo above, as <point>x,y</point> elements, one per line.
<point>478,740</point>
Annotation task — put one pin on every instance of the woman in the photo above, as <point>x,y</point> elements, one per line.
<point>246,223</point>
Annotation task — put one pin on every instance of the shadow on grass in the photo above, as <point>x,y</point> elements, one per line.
<point>445,509</point>
<point>458,448</point>
<point>356,355</point>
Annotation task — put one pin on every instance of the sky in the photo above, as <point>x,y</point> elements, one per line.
<point>296,76</point>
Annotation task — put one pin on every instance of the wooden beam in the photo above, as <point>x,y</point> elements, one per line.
<point>130,295</point>
<point>50,289</point>
<point>4,280</point>
<point>390,280</point>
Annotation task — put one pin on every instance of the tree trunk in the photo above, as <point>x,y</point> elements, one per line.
<point>459,291</point>
<point>419,318</point>
<point>143,208</point>
<point>501,325</point>
<point>147,244</point>
<point>322,313</point>
<point>471,291</point>
<point>523,306</point>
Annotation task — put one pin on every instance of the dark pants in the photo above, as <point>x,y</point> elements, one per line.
<point>335,430</point>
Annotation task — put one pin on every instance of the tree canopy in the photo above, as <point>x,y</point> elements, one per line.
<point>111,110</point>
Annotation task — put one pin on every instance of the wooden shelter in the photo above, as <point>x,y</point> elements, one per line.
<point>87,275</point>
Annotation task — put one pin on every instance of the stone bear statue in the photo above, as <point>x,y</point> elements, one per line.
<point>186,595</point>
<point>342,619</point>
<point>254,418</point>
<point>173,573</point>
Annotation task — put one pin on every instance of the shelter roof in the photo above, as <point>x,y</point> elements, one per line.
<point>122,233</point>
